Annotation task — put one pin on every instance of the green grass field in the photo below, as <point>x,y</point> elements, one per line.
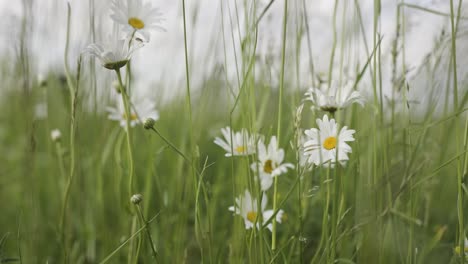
<point>400,198</point>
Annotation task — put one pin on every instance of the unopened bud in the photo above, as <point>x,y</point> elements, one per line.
<point>149,123</point>
<point>136,198</point>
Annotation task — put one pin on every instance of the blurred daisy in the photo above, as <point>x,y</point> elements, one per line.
<point>330,99</point>
<point>458,249</point>
<point>247,208</point>
<point>140,110</point>
<point>269,162</point>
<point>325,145</point>
<point>243,143</point>
<point>136,16</point>
<point>40,111</point>
<point>55,135</point>
<point>115,53</point>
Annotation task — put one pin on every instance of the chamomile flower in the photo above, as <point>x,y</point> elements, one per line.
<point>269,162</point>
<point>330,99</point>
<point>136,16</point>
<point>243,143</point>
<point>458,249</point>
<point>114,53</point>
<point>247,208</point>
<point>55,135</point>
<point>325,145</point>
<point>139,111</point>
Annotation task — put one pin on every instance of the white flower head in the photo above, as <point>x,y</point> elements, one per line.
<point>242,142</point>
<point>140,110</point>
<point>115,52</point>
<point>136,17</point>
<point>55,135</point>
<point>40,111</point>
<point>269,162</point>
<point>325,145</point>
<point>335,97</point>
<point>247,208</point>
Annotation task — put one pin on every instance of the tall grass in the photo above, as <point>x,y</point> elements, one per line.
<point>400,198</point>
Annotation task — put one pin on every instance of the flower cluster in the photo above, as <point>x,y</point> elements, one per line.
<point>327,144</point>
<point>136,19</point>
<point>269,164</point>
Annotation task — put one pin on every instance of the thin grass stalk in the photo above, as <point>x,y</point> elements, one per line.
<point>461,224</point>
<point>73,90</point>
<point>280,109</point>
<point>148,233</point>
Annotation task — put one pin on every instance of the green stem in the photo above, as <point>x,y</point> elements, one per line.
<point>73,89</point>
<point>148,233</point>
<point>280,106</point>
<point>128,131</point>
<point>324,218</point>
<point>461,227</point>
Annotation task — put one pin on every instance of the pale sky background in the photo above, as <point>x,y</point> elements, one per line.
<point>159,66</point>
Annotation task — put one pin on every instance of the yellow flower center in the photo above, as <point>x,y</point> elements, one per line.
<point>268,167</point>
<point>329,143</point>
<point>251,216</point>
<point>136,23</point>
<point>240,149</point>
<point>133,117</point>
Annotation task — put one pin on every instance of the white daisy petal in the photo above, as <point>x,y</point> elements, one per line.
<point>243,143</point>
<point>321,146</point>
<point>248,210</point>
<point>332,97</point>
<point>141,109</point>
<point>136,16</point>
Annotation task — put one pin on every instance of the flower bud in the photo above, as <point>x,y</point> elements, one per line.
<point>149,123</point>
<point>136,198</point>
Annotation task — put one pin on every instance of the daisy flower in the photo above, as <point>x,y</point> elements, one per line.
<point>269,162</point>
<point>243,143</point>
<point>114,53</point>
<point>330,99</point>
<point>325,144</point>
<point>140,110</point>
<point>55,135</point>
<point>136,16</point>
<point>247,208</point>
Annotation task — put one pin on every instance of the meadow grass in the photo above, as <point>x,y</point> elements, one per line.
<point>400,198</point>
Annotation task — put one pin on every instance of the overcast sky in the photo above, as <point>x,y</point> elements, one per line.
<point>161,62</point>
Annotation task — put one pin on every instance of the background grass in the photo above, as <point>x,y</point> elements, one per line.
<point>394,202</point>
